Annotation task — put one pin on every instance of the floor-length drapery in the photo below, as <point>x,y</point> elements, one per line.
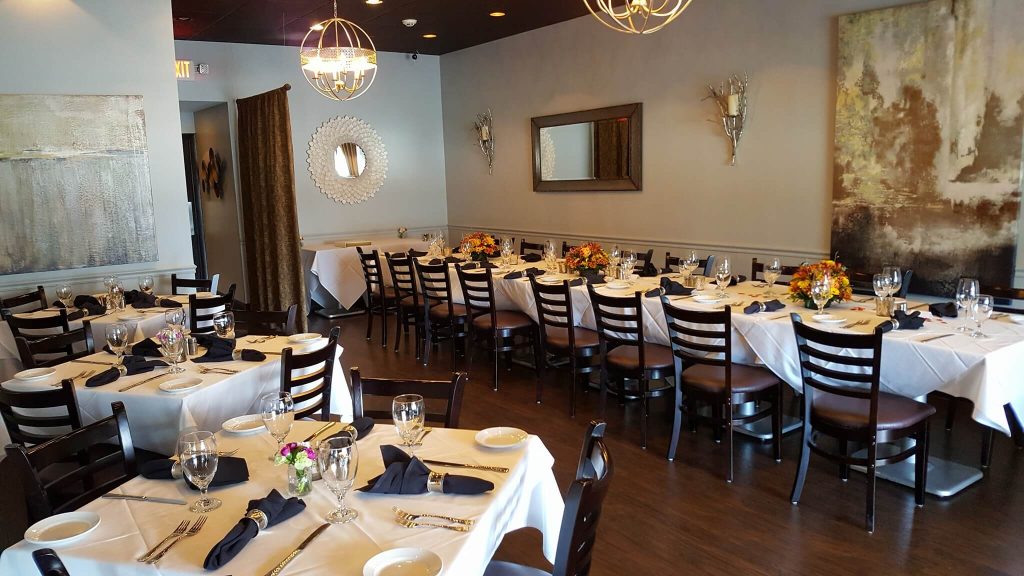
<point>267,177</point>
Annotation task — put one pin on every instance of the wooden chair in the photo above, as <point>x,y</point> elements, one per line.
<point>202,310</point>
<point>48,497</point>
<point>267,322</point>
<point>29,302</point>
<point>492,328</point>
<point>560,337</point>
<point>194,284</point>
<point>40,415</point>
<point>583,502</point>
<point>56,349</point>
<point>704,372</point>
<point>407,313</point>
<point>863,282</point>
<point>566,247</point>
<point>310,390</point>
<point>530,248</point>
<point>442,318</point>
<point>703,266</point>
<point>643,260</point>
<point>39,327</point>
<point>380,298</point>
<point>450,391</point>
<point>842,400</point>
<point>758,268</point>
<point>48,563</point>
<point>624,352</point>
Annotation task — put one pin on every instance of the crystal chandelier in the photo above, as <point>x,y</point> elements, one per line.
<point>636,16</point>
<point>338,58</point>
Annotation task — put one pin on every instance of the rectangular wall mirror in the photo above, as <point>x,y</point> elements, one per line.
<point>590,150</point>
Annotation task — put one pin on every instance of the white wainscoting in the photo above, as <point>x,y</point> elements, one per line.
<point>89,281</point>
<point>390,233</point>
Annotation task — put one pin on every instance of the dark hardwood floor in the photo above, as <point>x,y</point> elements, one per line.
<point>681,517</point>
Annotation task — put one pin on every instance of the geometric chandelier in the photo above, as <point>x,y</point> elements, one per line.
<point>637,16</point>
<point>338,58</point>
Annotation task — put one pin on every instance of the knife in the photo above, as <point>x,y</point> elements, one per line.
<point>141,382</point>
<point>318,432</point>
<point>501,469</point>
<point>93,362</point>
<point>277,569</point>
<point>145,499</point>
<point>929,339</point>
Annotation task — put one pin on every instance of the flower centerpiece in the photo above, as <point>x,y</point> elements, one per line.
<point>588,259</point>
<point>299,458</point>
<point>481,245</point>
<point>806,275</point>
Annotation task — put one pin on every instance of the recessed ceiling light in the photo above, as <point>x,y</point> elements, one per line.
<point>374,1</point>
<point>183,18</point>
<point>429,36</point>
<point>318,27</point>
<point>497,14</point>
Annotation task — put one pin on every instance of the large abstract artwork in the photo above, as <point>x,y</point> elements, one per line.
<point>928,142</point>
<point>74,183</point>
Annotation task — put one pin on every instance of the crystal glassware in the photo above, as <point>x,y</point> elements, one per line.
<point>172,344</point>
<point>981,311</point>
<point>197,453</point>
<point>339,461</point>
<point>409,412</point>
<point>772,271</point>
<point>614,256</point>
<point>224,324</point>
<point>117,339</point>
<point>146,284</point>
<point>688,265</point>
<point>277,410</point>
<point>175,317</point>
<point>966,294</point>
<point>723,276</point>
<point>895,279</point>
<point>64,294</point>
<point>821,293</point>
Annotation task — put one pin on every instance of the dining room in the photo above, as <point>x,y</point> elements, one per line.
<point>496,287</point>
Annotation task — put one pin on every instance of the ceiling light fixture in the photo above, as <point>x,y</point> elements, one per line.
<point>430,36</point>
<point>497,14</point>
<point>338,58</point>
<point>374,2</point>
<point>636,16</point>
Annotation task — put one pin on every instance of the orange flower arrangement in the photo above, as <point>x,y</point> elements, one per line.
<point>589,257</point>
<point>482,245</point>
<point>800,285</point>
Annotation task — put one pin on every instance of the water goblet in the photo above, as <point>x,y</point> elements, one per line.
<point>723,276</point>
<point>409,413</point>
<point>224,324</point>
<point>895,279</point>
<point>64,294</point>
<point>981,310</point>
<point>117,339</point>
<point>966,294</point>
<point>614,256</point>
<point>821,293</point>
<point>175,317</point>
<point>146,284</point>
<point>172,343</point>
<point>277,410</point>
<point>197,453</point>
<point>772,271</point>
<point>688,265</point>
<point>882,285</point>
<point>338,457</point>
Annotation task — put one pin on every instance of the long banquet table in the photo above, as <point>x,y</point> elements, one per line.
<point>334,275</point>
<point>527,496</point>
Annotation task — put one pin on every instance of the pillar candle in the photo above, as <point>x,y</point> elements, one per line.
<point>734,104</point>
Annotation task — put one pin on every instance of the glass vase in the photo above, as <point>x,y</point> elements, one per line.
<point>300,482</point>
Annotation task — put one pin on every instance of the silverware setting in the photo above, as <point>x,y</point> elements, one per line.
<point>141,382</point>
<point>853,324</point>
<point>779,316</point>
<point>409,516</point>
<point>280,567</point>
<point>182,527</point>
<point>82,374</point>
<point>319,431</point>
<point>92,362</point>
<point>196,527</point>
<point>414,524</point>
<point>208,370</point>
<point>136,498</point>
<point>261,339</point>
<point>500,469</point>
<point>930,338</point>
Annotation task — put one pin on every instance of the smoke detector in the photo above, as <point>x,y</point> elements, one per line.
<point>409,22</point>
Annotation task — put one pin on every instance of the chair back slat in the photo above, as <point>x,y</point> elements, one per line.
<point>35,327</point>
<point>267,322</point>
<point>619,319</point>
<point>477,291</point>
<point>310,390</point>
<point>402,276</point>
<point>202,310</point>
<point>553,303</point>
<point>450,391</point>
<point>55,349</point>
<point>700,337</point>
<point>194,285</point>
<point>28,302</point>
<point>530,248</point>
<point>373,272</point>
<point>830,362</point>
<point>33,417</point>
<point>435,284</point>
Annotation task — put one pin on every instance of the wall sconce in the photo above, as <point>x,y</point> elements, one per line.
<point>485,138</point>
<point>731,97</point>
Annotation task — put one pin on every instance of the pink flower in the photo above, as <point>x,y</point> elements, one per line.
<point>310,453</point>
<point>285,450</point>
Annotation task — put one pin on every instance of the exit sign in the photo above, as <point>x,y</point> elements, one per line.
<point>183,69</point>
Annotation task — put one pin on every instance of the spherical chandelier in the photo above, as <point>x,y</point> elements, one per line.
<point>636,16</point>
<point>338,58</point>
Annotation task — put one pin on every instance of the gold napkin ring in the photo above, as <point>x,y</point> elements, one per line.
<point>257,516</point>
<point>435,482</point>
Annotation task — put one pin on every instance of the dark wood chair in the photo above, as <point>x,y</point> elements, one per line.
<point>194,284</point>
<point>450,391</point>
<point>530,248</point>
<point>560,337</point>
<point>704,372</point>
<point>577,535</point>
<point>380,298</point>
<point>442,318</point>
<point>625,354</point>
<point>842,400</point>
<point>566,247</point>
<point>758,268</point>
<point>28,302</point>
<point>202,310</point>
<point>703,266</point>
<point>56,349</point>
<point>21,413</point>
<point>71,490</point>
<point>311,391</point>
<point>48,563</point>
<point>491,328</point>
<point>41,326</point>
<point>266,322</point>
<point>864,282</point>
<point>407,311</point>
<point>643,261</point>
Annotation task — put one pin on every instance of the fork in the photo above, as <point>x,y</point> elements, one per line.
<point>180,530</point>
<point>852,324</point>
<point>196,527</point>
<point>409,516</point>
<point>414,524</point>
<point>205,370</point>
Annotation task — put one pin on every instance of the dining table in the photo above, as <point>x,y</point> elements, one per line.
<point>156,416</point>
<point>526,495</point>
<point>334,274</point>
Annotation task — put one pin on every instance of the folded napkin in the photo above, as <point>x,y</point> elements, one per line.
<point>85,302</point>
<point>944,309</point>
<point>362,425</point>
<point>223,350</point>
<point>736,279</point>
<point>147,347</point>
<point>275,508</point>
<point>903,321</point>
<point>406,475</point>
<point>594,278</point>
<point>532,271</point>
<point>673,288</point>
<point>654,292</point>
<point>132,365</point>
<point>769,306</point>
<point>230,471</point>
<point>531,257</point>
<point>485,265</point>
<point>649,270</point>
<point>139,299</point>
<point>577,282</point>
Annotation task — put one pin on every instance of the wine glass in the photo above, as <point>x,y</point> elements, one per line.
<point>409,412</point>
<point>197,453</point>
<point>895,279</point>
<point>628,264</point>
<point>821,293</point>
<point>614,256</point>
<point>224,324</point>
<point>172,343</point>
<point>64,294</point>
<point>981,311</point>
<point>723,276</point>
<point>772,271</point>
<point>966,294</point>
<point>146,284</point>
<point>689,264</point>
<point>549,255</point>
<point>117,339</point>
<point>339,460</point>
<point>278,412</point>
<point>882,285</point>
<point>175,317</point>
<point>109,281</point>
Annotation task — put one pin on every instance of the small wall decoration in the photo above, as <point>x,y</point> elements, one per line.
<point>485,138</point>
<point>347,160</point>
<point>731,97</point>
<point>212,172</point>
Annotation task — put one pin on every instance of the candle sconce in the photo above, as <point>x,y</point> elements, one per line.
<point>731,97</point>
<point>485,138</point>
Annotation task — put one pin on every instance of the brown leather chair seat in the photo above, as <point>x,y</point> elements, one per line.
<point>440,311</point>
<point>506,319</point>
<point>628,357</point>
<point>389,294</point>
<point>559,337</point>
<point>711,379</point>
<point>893,411</point>
<point>407,302</point>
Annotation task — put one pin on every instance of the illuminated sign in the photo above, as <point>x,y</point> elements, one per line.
<point>183,69</point>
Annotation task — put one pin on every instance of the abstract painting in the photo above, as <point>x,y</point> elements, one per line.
<point>928,140</point>
<point>74,183</point>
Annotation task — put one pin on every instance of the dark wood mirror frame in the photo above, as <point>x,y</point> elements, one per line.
<point>634,112</point>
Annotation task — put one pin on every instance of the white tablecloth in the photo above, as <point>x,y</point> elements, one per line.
<point>334,274</point>
<point>527,496</point>
<point>156,417</point>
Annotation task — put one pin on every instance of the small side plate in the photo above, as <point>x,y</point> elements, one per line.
<point>33,374</point>
<point>244,425</point>
<point>501,437</point>
<point>304,337</point>
<point>179,385</point>
<point>62,528</point>
<point>828,319</point>
<point>404,562</point>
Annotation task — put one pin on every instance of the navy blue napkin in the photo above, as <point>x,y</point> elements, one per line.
<point>769,306</point>
<point>944,309</point>
<point>532,271</point>
<point>133,364</point>
<point>594,278</point>
<point>147,347</point>
<point>275,507</point>
<point>904,321</point>
<point>406,475</point>
<point>673,288</point>
<point>85,302</point>
<point>649,270</point>
<point>222,350</point>
<point>138,299</point>
<point>530,258</point>
<point>230,470</point>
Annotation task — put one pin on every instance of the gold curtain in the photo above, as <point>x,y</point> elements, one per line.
<point>267,178</point>
<point>350,151</point>
<point>611,149</point>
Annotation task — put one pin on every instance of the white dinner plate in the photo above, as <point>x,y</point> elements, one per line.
<point>35,374</point>
<point>548,280</point>
<point>179,385</point>
<point>501,437</point>
<point>617,285</point>
<point>62,528</point>
<point>828,319</point>
<point>304,337</point>
<point>131,316</point>
<point>404,562</point>
<point>1016,318</point>
<point>706,299</point>
<point>244,425</point>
